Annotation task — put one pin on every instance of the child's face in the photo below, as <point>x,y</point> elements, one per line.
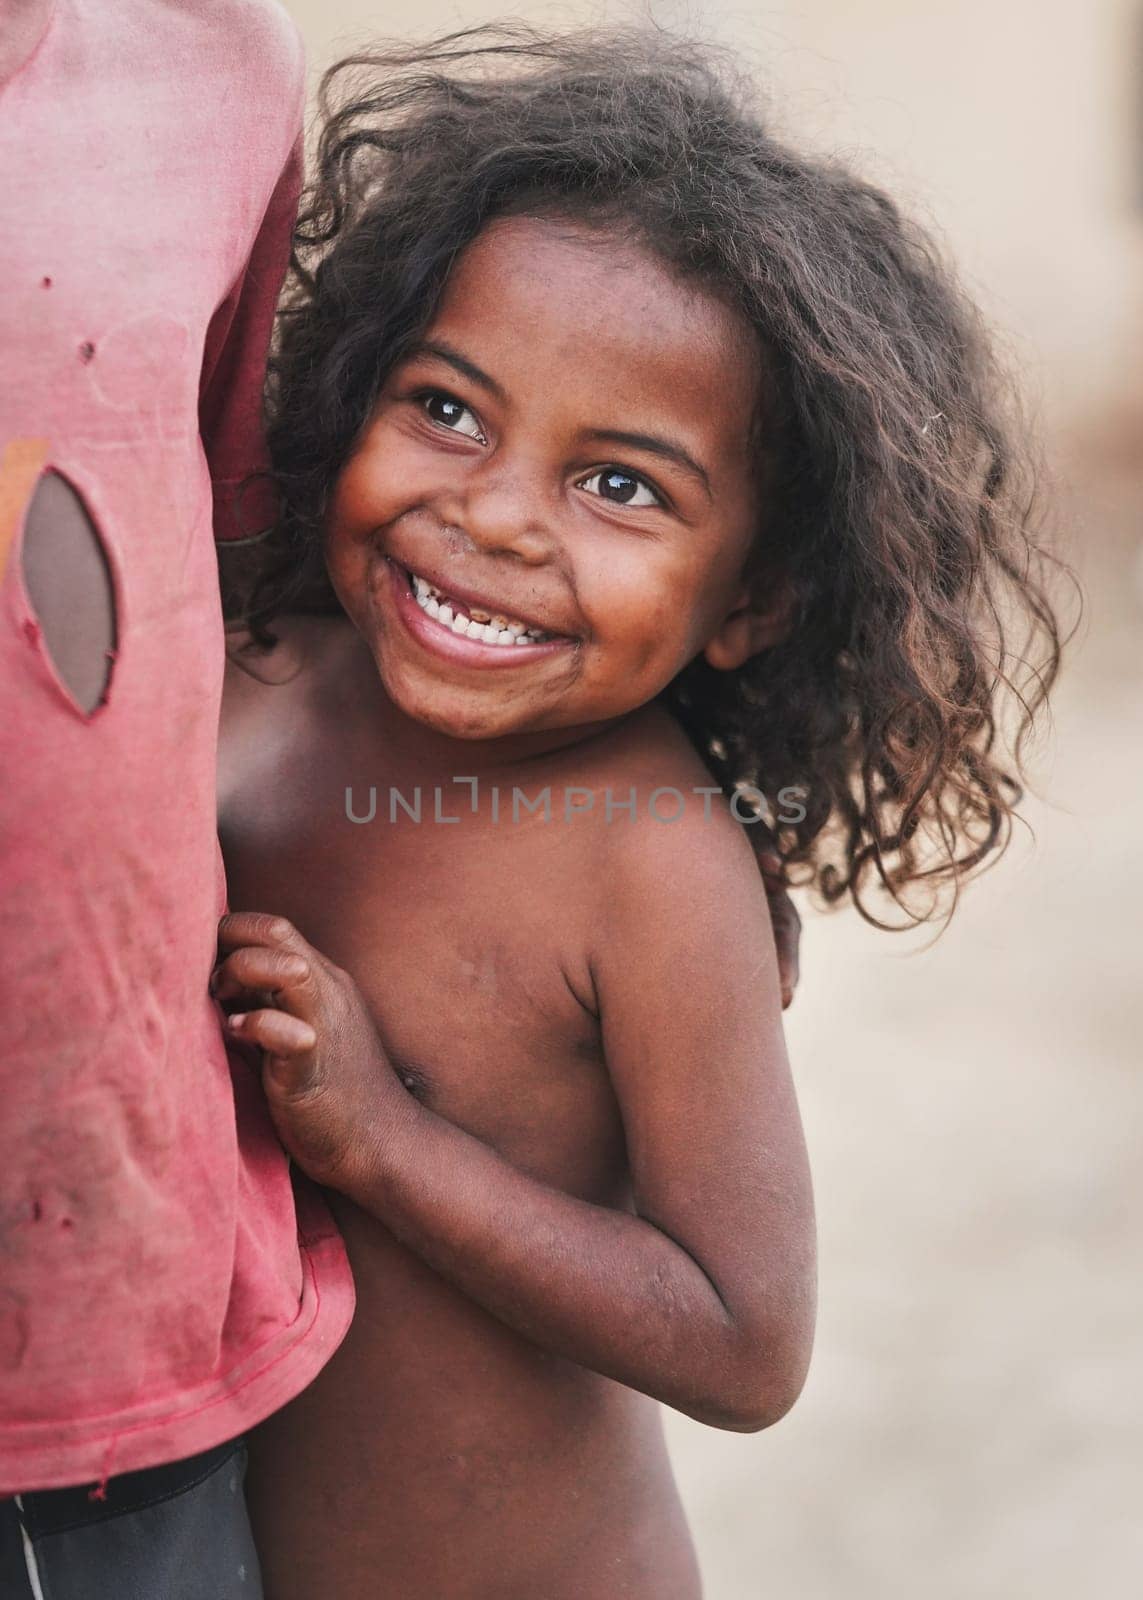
<point>567,449</point>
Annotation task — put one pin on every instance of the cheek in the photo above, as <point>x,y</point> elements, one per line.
<point>360,497</point>
<point>386,470</point>
<point>364,500</point>
<point>350,543</point>
<point>651,603</point>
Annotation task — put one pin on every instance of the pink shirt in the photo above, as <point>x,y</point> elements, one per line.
<point>158,1290</point>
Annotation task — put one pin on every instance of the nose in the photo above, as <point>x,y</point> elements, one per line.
<point>502,509</point>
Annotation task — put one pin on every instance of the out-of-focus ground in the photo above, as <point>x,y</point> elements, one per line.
<point>972,1428</point>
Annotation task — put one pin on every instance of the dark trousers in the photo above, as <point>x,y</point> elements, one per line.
<point>177,1532</point>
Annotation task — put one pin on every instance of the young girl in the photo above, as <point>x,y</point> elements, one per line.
<point>646,457</point>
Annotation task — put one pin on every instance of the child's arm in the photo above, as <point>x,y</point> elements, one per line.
<point>703,1298</point>
<point>233,375</point>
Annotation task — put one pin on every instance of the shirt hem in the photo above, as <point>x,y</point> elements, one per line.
<point>57,1455</point>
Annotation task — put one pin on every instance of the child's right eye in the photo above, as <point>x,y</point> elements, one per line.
<point>449,413</point>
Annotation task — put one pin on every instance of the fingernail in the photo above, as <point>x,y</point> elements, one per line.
<point>236,1020</point>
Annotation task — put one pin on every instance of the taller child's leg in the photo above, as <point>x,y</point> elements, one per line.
<point>176,1532</point>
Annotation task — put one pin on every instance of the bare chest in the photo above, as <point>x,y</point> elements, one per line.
<point>467,937</point>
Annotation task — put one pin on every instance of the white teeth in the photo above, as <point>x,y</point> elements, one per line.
<point>473,623</point>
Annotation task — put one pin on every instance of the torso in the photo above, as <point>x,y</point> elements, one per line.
<point>440,1453</point>
<point>147,1323</point>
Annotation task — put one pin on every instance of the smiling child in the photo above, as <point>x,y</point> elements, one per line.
<point>612,421</point>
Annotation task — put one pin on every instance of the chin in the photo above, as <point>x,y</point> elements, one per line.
<point>471,730</point>
<point>454,721</point>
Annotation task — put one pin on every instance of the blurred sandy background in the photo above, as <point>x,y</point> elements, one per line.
<point>973,1424</point>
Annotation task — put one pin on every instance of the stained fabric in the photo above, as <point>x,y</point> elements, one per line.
<point>154,1299</point>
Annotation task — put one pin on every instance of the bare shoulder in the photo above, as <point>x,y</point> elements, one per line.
<point>254,666</point>
<point>671,840</point>
<point>681,924</point>
<point>266,686</point>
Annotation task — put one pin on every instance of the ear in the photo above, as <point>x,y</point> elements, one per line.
<point>751,627</point>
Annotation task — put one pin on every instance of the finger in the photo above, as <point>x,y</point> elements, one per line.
<point>258,928</point>
<point>256,969</point>
<point>299,995</point>
<point>288,967</point>
<point>276,1032</point>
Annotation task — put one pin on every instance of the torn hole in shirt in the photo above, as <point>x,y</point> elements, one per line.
<point>69,583</point>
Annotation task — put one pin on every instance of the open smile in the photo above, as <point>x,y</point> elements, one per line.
<point>464,631</point>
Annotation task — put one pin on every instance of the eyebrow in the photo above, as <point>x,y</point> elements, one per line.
<point>665,449</point>
<point>453,358</point>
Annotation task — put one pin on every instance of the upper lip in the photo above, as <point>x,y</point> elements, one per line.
<point>470,597</point>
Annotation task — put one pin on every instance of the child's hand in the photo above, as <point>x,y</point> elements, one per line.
<point>329,1084</point>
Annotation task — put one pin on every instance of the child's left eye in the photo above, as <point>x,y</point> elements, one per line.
<point>621,488</point>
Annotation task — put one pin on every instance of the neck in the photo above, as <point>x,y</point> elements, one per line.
<point>23,24</point>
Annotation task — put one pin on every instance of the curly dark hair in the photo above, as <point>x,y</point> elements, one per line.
<point>899,496</point>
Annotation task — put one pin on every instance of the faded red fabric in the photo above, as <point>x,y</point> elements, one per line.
<point>153,1296</point>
